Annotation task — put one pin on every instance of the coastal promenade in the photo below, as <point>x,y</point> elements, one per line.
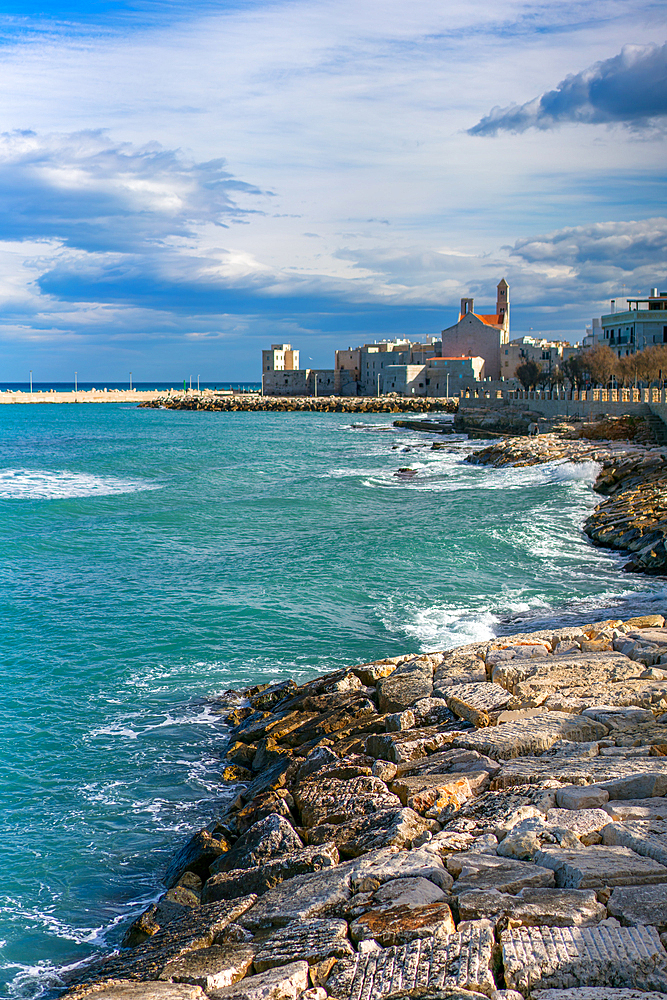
<point>488,821</point>
<point>82,396</point>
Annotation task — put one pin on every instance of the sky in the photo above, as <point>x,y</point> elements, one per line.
<point>182,185</point>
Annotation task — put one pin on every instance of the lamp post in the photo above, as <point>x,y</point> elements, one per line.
<point>31,381</point>
<point>197,383</point>
<point>378,389</point>
<point>130,381</point>
<point>76,384</point>
<point>447,385</point>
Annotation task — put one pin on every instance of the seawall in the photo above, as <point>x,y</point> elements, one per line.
<point>317,404</point>
<point>82,396</point>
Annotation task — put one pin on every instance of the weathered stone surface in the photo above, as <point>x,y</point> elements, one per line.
<point>455,761</point>
<point>583,823</point>
<point>285,983</point>
<point>581,797</point>
<point>484,871</point>
<point>497,812</point>
<point>196,856</point>
<point>461,960</point>
<point>532,736</point>
<point>316,760</point>
<point>195,929</point>
<point>534,907</point>
<point>411,745</point>
<point>543,957</point>
<point>318,895</point>
<point>406,685</point>
<point>310,941</point>
<point>397,722</point>
<point>438,795</point>
<point>181,897</point>
<point>211,968</point>
<point>231,885</point>
<point>391,863</point>
<point>623,810</point>
<point>480,704</point>
<point>636,905</point>
<point>125,989</point>
<point>594,867</point>
<point>371,673</point>
<point>398,925</point>
<point>597,993</point>
<point>619,777</point>
<point>384,828</point>
<point>648,838</point>
<point>640,780</point>
<point>262,842</point>
<point>327,800</point>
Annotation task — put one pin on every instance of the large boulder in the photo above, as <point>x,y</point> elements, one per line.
<point>264,840</point>
<point>406,685</point>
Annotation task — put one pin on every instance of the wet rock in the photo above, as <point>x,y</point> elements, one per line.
<point>196,856</point>
<point>407,684</point>
<point>273,694</point>
<point>265,840</point>
<point>211,968</point>
<point>545,957</point>
<point>311,941</point>
<point>239,882</point>
<point>285,983</point>
<point>593,867</point>
<point>184,895</point>
<point>534,907</point>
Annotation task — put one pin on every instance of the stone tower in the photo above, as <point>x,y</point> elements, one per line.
<point>503,303</point>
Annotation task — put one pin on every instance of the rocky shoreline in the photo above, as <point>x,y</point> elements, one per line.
<point>633,518</point>
<point>489,821</point>
<point>483,822</point>
<point>208,400</point>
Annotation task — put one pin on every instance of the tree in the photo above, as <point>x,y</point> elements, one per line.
<point>528,374</point>
<point>601,363</point>
<point>575,371</point>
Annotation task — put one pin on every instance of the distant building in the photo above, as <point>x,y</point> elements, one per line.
<point>642,324</point>
<point>438,377</point>
<point>548,354</point>
<point>480,334</point>
<point>281,358</point>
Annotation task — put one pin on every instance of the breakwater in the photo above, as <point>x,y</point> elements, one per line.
<point>633,518</point>
<point>81,396</point>
<point>487,821</point>
<point>311,404</point>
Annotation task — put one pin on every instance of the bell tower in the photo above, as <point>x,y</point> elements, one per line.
<point>503,305</point>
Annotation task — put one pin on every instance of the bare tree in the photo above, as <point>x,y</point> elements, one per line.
<point>601,363</point>
<point>575,371</point>
<point>528,374</point>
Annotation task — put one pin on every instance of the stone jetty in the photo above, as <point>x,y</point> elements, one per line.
<point>217,402</point>
<point>484,822</point>
<point>633,518</point>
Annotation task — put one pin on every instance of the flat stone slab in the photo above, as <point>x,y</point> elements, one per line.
<point>497,812</point>
<point>624,810</point>
<point>556,957</point>
<point>486,871</point>
<point>641,837</point>
<point>318,895</point>
<point>285,983</point>
<point>460,961</point>
<point>406,685</point>
<point>597,993</point>
<point>390,863</point>
<point>438,794</point>
<point>265,840</point>
<point>534,907</point>
<point>450,761</point>
<point>330,800</point>
<point>402,747</point>
<point>402,923</point>
<point>569,670</point>
<point>211,968</point>
<point>581,797</point>
<point>480,704</point>
<point>581,822</point>
<point>125,989</point>
<point>531,736</point>
<point>232,884</point>
<point>620,777</point>
<point>598,866</point>
<point>384,828</point>
<point>310,941</point>
<point>640,904</point>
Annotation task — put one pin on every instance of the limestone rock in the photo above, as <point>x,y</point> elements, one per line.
<point>459,961</point>
<point>584,823</point>
<point>328,800</point>
<point>437,796</point>
<point>593,867</point>
<point>546,957</point>
<point>384,828</point>
<point>262,842</point>
<point>285,983</point>
<point>455,761</point>
<point>403,747</point>
<point>484,871</point>
<point>534,907</point>
<point>301,898</point>
<point>636,905</point>
<point>125,989</point>
<point>623,810</point>
<point>231,885</point>
<point>406,685</point>
<point>211,968</point>
<point>311,941</point>
<point>401,924</point>
<point>581,797</point>
<point>390,863</point>
<point>480,704</point>
<point>597,993</point>
<point>200,851</point>
<point>646,838</point>
<point>532,736</point>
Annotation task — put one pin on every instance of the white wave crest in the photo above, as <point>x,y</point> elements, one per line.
<point>39,484</point>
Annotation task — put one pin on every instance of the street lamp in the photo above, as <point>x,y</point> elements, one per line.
<point>197,383</point>
<point>130,381</point>
<point>76,384</point>
<point>31,381</point>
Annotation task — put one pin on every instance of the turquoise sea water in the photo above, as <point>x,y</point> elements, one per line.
<point>153,558</point>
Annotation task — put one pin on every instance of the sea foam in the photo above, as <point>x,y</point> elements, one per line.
<point>39,484</point>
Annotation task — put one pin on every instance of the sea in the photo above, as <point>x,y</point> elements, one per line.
<point>152,559</point>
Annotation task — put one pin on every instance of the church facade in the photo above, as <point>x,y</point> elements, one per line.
<point>481,334</point>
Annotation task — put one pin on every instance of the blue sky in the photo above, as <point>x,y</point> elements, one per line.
<point>181,185</point>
